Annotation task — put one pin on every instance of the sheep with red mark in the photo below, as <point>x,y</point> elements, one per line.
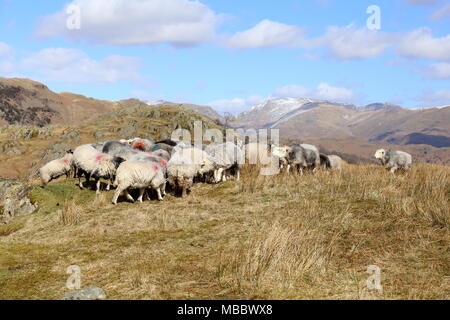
<point>57,168</point>
<point>139,175</point>
<point>92,163</point>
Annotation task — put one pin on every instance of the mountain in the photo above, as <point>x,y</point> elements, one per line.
<point>27,102</point>
<point>377,123</point>
<point>204,110</point>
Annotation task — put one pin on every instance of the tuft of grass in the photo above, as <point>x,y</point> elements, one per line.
<point>70,214</point>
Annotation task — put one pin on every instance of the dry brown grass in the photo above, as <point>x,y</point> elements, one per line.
<point>281,237</point>
<point>70,214</point>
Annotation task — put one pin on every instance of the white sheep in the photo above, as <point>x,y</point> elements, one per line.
<point>225,157</point>
<point>336,162</point>
<point>57,168</point>
<point>185,165</point>
<point>394,160</point>
<point>139,175</point>
<point>92,163</point>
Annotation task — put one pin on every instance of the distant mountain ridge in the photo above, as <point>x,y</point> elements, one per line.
<point>302,118</point>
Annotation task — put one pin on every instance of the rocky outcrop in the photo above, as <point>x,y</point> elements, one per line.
<point>91,293</point>
<point>14,200</point>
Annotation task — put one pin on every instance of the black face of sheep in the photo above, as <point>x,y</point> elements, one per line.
<point>118,161</point>
<point>325,161</point>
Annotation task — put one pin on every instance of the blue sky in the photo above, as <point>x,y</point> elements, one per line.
<point>232,54</point>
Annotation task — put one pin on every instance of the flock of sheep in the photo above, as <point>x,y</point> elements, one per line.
<point>146,165</point>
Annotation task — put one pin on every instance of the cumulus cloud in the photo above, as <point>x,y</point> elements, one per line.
<point>437,71</point>
<point>135,22</point>
<point>351,43</point>
<point>341,42</point>
<point>420,43</point>
<point>267,33</point>
<point>441,13</point>
<point>235,105</point>
<point>323,91</point>
<point>435,98</point>
<point>75,66</point>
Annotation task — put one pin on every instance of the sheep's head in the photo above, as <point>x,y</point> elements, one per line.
<point>206,166</point>
<point>380,154</point>
<point>118,161</point>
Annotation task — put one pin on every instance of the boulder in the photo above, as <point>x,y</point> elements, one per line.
<point>91,293</point>
<point>14,200</point>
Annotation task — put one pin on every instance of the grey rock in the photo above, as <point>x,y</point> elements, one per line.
<point>14,200</point>
<point>14,152</point>
<point>91,293</point>
<point>55,151</point>
<point>72,137</point>
<point>128,132</point>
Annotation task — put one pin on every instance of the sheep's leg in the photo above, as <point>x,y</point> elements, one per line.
<point>117,194</point>
<point>158,190</point>
<point>108,187</point>
<point>393,170</point>
<point>129,197</point>
<point>88,179</point>
<point>163,188</point>
<point>238,175</point>
<point>184,192</point>
<point>98,184</point>
<point>220,173</point>
<point>141,194</point>
<point>224,177</point>
<point>216,176</point>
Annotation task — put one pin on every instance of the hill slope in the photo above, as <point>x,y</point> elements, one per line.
<point>27,102</point>
<point>284,237</point>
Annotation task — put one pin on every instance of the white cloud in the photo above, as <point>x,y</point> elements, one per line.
<point>441,13</point>
<point>351,43</point>
<point>136,22</point>
<point>5,50</point>
<point>420,43</point>
<point>6,59</point>
<point>235,105</point>
<point>437,71</point>
<point>435,98</point>
<point>322,92</point>
<point>267,33</point>
<point>72,65</point>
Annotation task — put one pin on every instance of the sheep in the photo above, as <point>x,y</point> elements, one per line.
<point>162,146</point>
<point>168,142</point>
<point>226,157</point>
<point>139,175</point>
<point>118,149</point>
<point>57,168</point>
<point>325,162</point>
<point>283,155</point>
<point>304,156</point>
<point>141,144</point>
<point>92,163</point>
<point>336,162</point>
<point>394,160</point>
<point>256,153</point>
<point>184,166</point>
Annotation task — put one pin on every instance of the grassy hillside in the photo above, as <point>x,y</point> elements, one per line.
<point>277,237</point>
